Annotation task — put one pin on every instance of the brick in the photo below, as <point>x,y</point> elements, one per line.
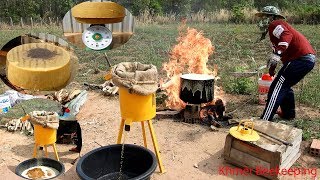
<point>315,147</point>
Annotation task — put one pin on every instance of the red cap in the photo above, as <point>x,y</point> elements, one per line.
<point>266,77</point>
<point>67,110</point>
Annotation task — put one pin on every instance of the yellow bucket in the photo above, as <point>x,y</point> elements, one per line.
<point>135,107</point>
<point>44,136</point>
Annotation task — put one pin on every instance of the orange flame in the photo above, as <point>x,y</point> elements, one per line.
<point>190,55</point>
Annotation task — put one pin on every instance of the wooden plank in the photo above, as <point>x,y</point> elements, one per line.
<point>76,27</point>
<point>29,39</point>
<point>63,43</point>
<point>275,162</point>
<point>66,23</point>
<point>42,36</point>
<point>236,162</point>
<point>51,38</point>
<point>117,27</point>
<point>254,169</point>
<point>133,24</point>
<point>252,149</point>
<point>75,38</point>
<point>288,160</point>
<point>288,164</point>
<point>127,22</point>
<point>290,149</point>
<point>227,146</point>
<point>110,27</point>
<point>248,160</point>
<point>281,131</point>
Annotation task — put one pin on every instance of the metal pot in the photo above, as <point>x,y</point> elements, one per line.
<point>196,88</point>
<point>51,163</point>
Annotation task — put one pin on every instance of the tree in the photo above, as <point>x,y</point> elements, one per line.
<point>139,6</point>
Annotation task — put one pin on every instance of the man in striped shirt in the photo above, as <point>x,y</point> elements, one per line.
<point>297,57</point>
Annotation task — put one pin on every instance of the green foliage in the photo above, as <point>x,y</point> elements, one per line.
<point>155,7</point>
<point>280,4</point>
<point>308,89</point>
<point>37,104</point>
<point>34,8</point>
<point>240,85</point>
<point>310,128</point>
<point>237,14</point>
<point>139,6</point>
<point>9,9</point>
<point>306,13</point>
<point>237,11</point>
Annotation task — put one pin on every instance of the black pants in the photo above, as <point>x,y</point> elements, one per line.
<point>281,93</point>
<point>70,127</point>
<point>79,137</point>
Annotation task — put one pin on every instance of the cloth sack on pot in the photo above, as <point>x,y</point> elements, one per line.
<point>139,78</point>
<point>45,119</point>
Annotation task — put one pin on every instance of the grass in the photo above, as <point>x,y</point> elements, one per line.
<point>29,106</point>
<point>8,34</point>
<point>235,49</point>
<point>310,127</point>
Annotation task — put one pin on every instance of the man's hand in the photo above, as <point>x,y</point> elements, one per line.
<point>272,70</point>
<point>273,60</point>
<point>272,63</point>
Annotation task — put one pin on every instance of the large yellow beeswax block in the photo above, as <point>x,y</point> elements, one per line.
<point>98,12</point>
<point>38,66</point>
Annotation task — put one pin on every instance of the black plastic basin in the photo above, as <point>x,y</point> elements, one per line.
<point>104,163</point>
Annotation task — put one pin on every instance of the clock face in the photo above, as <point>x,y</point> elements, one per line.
<point>97,37</point>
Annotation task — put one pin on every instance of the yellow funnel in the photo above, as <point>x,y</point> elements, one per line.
<point>135,107</point>
<point>245,132</point>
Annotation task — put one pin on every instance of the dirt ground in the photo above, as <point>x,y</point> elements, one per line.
<point>188,151</point>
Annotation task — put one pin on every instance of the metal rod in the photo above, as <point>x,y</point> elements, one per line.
<point>97,143</point>
<point>284,142</point>
<point>106,57</point>
<point>25,113</point>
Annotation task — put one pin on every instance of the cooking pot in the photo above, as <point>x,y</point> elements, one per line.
<point>46,162</point>
<point>196,88</point>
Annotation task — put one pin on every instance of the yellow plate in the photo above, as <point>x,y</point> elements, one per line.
<point>244,134</point>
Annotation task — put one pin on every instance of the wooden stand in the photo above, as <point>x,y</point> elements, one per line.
<point>153,136</point>
<point>266,153</point>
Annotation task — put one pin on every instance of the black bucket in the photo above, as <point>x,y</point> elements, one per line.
<point>104,163</point>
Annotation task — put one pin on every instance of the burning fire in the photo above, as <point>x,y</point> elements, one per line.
<point>190,55</point>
